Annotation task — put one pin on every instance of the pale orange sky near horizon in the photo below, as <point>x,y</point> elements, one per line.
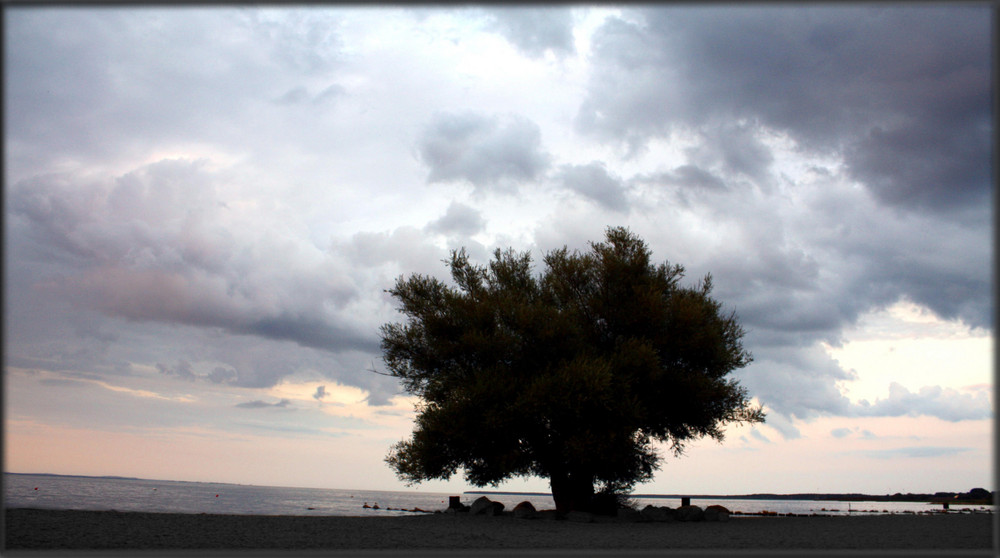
<point>832,454</point>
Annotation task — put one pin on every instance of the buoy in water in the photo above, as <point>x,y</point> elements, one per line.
<point>216,495</point>
<point>36,488</point>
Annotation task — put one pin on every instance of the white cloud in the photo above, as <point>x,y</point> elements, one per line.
<point>944,403</point>
<point>535,31</point>
<point>914,452</point>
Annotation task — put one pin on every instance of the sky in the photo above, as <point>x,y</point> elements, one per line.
<point>204,207</point>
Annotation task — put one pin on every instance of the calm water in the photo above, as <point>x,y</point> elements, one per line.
<point>91,493</point>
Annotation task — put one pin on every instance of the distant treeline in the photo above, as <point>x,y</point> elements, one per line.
<point>111,477</point>
<point>974,496</point>
<point>115,477</point>
<point>977,495</point>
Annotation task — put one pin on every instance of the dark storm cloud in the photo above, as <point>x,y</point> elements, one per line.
<point>489,152</point>
<point>309,330</point>
<point>534,31</point>
<point>593,182</point>
<point>952,289</point>
<point>925,166</point>
<point>900,95</point>
<point>459,219</point>
<point>874,258</point>
<point>901,92</point>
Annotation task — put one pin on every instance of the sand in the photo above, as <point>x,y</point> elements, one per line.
<point>66,529</point>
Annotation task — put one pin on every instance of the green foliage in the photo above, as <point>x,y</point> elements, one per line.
<point>573,375</point>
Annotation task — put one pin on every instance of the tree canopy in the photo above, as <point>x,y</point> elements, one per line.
<point>572,375</point>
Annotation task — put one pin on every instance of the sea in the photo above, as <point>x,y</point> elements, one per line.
<point>142,495</point>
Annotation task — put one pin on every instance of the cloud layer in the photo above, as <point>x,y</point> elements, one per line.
<point>832,82</point>
<point>221,196</point>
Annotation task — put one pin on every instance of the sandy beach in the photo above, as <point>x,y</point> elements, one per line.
<point>66,529</point>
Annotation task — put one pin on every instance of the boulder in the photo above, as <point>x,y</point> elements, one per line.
<point>485,506</point>
<point>525,510</point>
<point>689,513</point>
<point>480,505</point>
<point>656,513</point>
<point>716,512</point>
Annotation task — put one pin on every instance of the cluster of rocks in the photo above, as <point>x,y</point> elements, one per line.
<point>482,506</point>
<point>683,513</point>
<point>525,510</point>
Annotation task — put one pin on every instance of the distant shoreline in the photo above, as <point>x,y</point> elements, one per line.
<point>830,497</point>
<point>850,497</point>
<point>74,476</point>
<point>38,529</point>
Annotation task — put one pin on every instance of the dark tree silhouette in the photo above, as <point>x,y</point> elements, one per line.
<point>572,375</point>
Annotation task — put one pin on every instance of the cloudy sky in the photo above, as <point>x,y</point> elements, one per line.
<point>204,207</point>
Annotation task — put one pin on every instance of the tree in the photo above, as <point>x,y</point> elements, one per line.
<point>572,375</point>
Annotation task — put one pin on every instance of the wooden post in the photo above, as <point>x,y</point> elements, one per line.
<point>454,502</point>
<point>685,501</point>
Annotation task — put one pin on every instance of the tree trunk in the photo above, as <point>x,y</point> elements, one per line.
<point>572,492</point>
